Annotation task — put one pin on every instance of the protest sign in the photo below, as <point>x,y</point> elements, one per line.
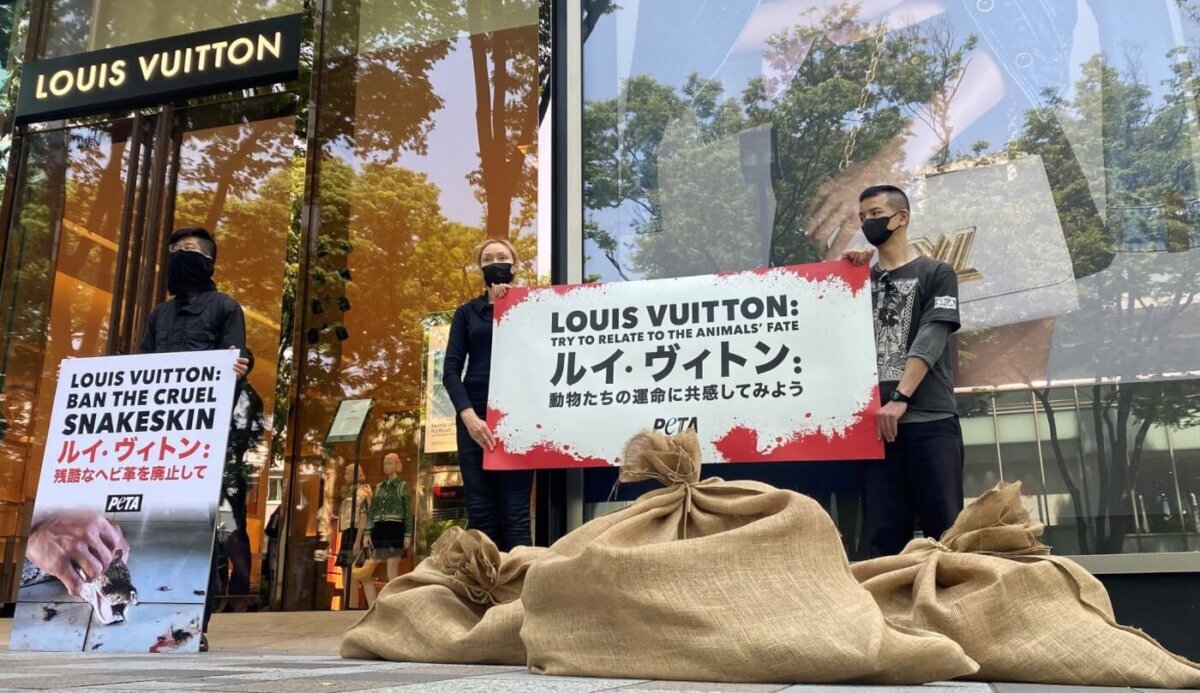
<point>770,365</point>
<point>120,547</point>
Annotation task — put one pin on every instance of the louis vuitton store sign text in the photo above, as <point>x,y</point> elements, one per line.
<point>142,74</point>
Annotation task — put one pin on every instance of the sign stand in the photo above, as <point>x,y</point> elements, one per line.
<point>347,427</point>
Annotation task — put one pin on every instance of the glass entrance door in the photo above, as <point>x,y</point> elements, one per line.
<point>84,264</point>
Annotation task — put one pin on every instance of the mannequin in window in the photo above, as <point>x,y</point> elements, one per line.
<point>352,522</point>
<point>390,518</point>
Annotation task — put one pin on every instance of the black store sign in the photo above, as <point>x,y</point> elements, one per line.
<point>140,74</point>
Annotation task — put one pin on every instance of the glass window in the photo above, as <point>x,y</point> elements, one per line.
<point>58,284</point>
<point>429,137</point>
<point>1067,497</point>
<point>981,469</point>
<point>1185,444</point>
<point>236,177</point>
<point>1049,150</point>
<point>79,26</point>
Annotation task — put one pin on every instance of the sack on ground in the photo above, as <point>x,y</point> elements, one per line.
<point>461,605</point>
<point>715,581</point>
<point>1024,615</point>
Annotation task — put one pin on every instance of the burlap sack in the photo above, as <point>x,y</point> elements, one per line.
<point>461,605</point>
<point>1023,614</point>
<point>715,581</point>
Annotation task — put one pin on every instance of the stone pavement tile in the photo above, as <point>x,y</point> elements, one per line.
<point>318,669</point>
<point>389,678</point>
<point>320,685</point>
<point>546,684</point>
<point>1050,688</point>
<point>704,687</point>
<point>942,687</point>
<point>160,673</point>
<point>314,664</point>
<point>156,685</point>
<point>530,676</point>
<point>66,681</point>
<point>464,669</point>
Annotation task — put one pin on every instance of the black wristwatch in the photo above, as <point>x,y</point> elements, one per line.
<point>898,396</point>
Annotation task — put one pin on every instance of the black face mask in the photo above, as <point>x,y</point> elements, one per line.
<point>876,230</point>
<point>189,272</point>
<point>498,273</point>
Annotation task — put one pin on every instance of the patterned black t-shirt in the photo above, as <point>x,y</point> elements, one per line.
<point>921,291</point>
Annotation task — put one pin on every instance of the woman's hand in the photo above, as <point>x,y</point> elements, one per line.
<point>478,429</point>
<point>498,290</point>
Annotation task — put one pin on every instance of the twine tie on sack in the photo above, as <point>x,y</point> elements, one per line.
<point>471,561</point>
<point>996,524</point>
<point>673,461</point>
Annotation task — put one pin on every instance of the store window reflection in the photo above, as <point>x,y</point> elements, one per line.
<point>57,290</point>
<point>238,179</point>
<point>78,26</point>
<point>1050,152</point>
<point>1068,489</point>
<point>429,143</point>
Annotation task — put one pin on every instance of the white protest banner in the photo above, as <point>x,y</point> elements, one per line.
<point>770,365</point>
<point>120,547</point>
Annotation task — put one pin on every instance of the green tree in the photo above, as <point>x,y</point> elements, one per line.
<point>1148,171</point>
<point>840,113</point>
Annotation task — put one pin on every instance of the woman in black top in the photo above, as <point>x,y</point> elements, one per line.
<point>497,502</point>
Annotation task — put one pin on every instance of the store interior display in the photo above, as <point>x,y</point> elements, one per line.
<point>389,519</point>
<point>352,523</point>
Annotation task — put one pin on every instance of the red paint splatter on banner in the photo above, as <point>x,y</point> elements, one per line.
<point>855,278</point>
<point>518,295</point>
<point>542,456</point>
<point>860,441</point>
<point>515,297</point>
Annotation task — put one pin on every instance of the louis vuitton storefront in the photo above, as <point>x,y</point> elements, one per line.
<point>343,158</point>
<point>349,154</point>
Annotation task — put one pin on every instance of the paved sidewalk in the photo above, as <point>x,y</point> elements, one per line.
<point>296,653</point>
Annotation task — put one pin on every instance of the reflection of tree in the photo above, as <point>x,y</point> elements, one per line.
<point>75,24</point>
<point>505,66</point>
<point>825,117</point>
<point>385,249</point>
<point>946,68</point>
<point>71,179</point>
<point>407,261</point>
<point>1134,305</point>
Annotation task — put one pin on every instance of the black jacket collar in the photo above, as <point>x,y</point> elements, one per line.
<point>195,303</point>
<point>479,304</point>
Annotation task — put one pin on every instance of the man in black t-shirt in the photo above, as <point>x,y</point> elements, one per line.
<point>915,302</point>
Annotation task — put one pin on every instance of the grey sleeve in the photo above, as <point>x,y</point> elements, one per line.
<point>931,341</point>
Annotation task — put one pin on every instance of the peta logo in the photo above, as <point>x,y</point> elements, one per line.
<point>945,302</point>
<point>673,426</point>
<point>124,504</point>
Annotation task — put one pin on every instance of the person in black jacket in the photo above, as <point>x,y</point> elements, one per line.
<point>196,318</point>
<point>497,502</point>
